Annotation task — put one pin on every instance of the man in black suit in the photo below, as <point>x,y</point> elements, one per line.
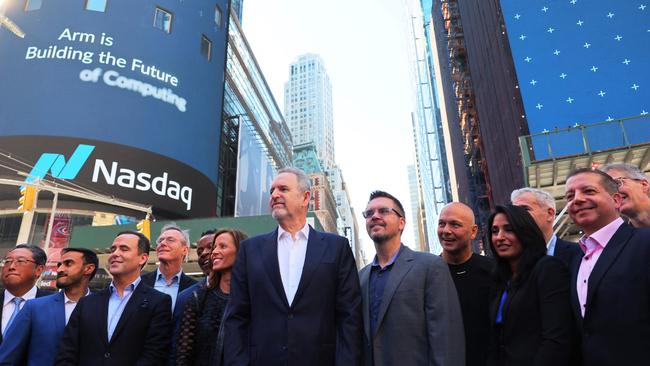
<point>295,296</point>
<point>172,247</point>
<point>128,323</point>
<point>611,282</point>
<point>541,206</point>
<point>22,266</point>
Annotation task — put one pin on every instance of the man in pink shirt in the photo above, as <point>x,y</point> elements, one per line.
<point>611,282</point>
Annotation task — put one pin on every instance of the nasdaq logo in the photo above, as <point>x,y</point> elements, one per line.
<point>56,165</point>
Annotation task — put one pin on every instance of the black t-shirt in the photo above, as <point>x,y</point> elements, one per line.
<point>474,283</point>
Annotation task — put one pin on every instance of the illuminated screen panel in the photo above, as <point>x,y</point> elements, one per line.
<point>581,62</point>
<point>121,97</point>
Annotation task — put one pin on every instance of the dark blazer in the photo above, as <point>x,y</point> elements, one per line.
<point>323,326</point>
<point>39,293</point>
<point>566,250</point>
<point>420,321</point>
<point>186,281</point>
<point>616,326</point>
<point>537,327</point>
<point>142,335</point>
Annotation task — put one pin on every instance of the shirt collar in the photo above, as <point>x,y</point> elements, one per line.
<point>603,235</point>
<point>375,262</point>
<point>130,287</point>
<point>31,294</point>
<point>177,276</point>
<point>66,299</point>
<point>304,231</point>
<point>550,246</point>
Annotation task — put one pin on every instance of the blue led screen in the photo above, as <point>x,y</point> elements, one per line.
<point>578,63</point>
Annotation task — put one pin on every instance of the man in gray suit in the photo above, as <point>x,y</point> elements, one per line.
<point>410,308</point>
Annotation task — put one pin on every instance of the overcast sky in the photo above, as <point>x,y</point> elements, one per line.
<point>364,46</point>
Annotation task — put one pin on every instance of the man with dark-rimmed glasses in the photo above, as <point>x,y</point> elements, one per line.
<point>633,188</point>
<point>410,307</point>
<point>21,268</point>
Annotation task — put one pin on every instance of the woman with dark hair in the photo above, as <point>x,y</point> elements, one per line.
<point>200,340</point>
<point>531,313</point>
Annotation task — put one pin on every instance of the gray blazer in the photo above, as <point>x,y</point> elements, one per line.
<point>420,322</point>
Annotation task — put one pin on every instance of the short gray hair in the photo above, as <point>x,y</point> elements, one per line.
<point>185,234</point>
<point>631,170</point>
<point>303,180</point>
<point>542,197</point>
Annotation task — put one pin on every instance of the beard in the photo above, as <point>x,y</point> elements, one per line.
<point>382,238</point>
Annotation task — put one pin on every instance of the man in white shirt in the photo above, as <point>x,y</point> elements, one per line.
<point>295,295</point>
<point>33,337</point>
<point>22,266</point>
<point>541,206</point>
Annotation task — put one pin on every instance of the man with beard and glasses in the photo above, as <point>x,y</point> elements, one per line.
<point>410,306</point>
<point>472,274</point>
<point>294,296</point>
<point>33,337</point>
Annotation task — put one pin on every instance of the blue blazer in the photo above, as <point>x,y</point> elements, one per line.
<point>323,325</point>
<point>33,337</point>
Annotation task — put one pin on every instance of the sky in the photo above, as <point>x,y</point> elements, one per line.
<point>364,46</point>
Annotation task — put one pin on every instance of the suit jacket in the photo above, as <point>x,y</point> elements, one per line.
<point>186,281</point>
<point>536,329</point>
<point>322,326</point>
<point>566,250</point>
<point>39,293</point>
<point>142,335</point>
<point>420,321</point>
<point>616,326</point>
<point>33,337</point>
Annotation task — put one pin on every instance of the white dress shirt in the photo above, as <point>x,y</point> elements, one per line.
<point>291,259</point>
<point>69,305</point>
<point>8,305</point>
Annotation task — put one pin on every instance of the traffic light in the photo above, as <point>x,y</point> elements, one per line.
<point>144,227</point>
<point>27,200</point>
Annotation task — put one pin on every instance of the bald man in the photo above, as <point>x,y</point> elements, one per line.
<point>471,275</point>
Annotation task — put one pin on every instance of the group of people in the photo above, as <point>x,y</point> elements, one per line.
<point>294,297</point>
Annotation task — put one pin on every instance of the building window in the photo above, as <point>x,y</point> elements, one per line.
<point>206,47</point>
<point>162,20</point>
<point>218,16</point>
<point>96,5</point>
<point>33,5</point>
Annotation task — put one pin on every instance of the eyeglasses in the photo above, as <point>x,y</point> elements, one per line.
<point>621,180</point>
<point>19,262</point>
<point>168,239</point>
<point>382,211</point>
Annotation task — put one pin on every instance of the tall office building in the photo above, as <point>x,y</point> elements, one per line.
<point>416,210</point>
<point>308,106</point>
<point>346,223</point>
<point>436,185</point>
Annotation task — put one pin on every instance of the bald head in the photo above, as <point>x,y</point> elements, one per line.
<point>456,228</point>
<point>460,209</point>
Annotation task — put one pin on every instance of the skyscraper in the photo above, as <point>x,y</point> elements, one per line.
<point>308,106</point>
<point>434,180</point>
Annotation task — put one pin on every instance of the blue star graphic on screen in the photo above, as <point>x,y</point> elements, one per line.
<point>579,63</point>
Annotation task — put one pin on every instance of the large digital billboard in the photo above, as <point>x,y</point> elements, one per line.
<point>127,95</point>
<point>580,63</point>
